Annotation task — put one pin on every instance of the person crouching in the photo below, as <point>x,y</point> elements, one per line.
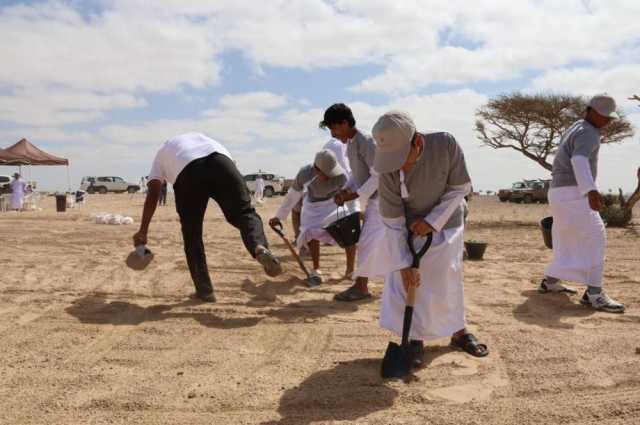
<point>322,180</point>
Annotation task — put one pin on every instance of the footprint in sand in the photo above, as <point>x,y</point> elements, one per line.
<point>466,393</point>
<point>27,317</point>
<point>463,365</point>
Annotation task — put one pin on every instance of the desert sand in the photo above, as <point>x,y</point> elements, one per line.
<point>87,340</point>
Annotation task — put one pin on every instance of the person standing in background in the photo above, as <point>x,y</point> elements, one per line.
<point>163,194</point>
<point>259,193</point>
<point>18,191</point>
<point>578,232</point>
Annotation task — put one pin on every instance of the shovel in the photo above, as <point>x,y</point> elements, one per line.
<point>398,359</point>
<point>310,280</point>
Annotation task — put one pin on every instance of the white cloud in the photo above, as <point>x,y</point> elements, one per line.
<point>50,43</point>
<point>48,107</point>
<point>505,39</point>
<point>620,81</point>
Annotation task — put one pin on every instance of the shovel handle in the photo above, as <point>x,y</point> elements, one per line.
<point>278,229</point>
<point>411,295</point>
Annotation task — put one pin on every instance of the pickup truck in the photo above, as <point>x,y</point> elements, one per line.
<point>526,191</point>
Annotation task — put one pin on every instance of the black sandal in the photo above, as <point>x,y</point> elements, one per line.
<point>469,344</point>
<point>352,294</point>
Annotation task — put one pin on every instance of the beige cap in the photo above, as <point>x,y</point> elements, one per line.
<point>604,104</point>
<point>326,161</point>
<point>393,133</point>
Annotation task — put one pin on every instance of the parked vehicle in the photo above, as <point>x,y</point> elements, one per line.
<point>273,184</point>
<point>4,183</point>
<point>93,184</point>
<point>526,191</point>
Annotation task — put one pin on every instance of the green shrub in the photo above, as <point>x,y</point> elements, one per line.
<point>615,216</point>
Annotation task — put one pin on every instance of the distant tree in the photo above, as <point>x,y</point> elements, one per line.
<point>618,211</point>
<point>635,97</point>
<point>533,124</point>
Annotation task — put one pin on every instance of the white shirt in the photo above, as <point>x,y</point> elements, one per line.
<point>178,152</point>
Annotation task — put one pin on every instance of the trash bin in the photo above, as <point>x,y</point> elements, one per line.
<point>61,203</point>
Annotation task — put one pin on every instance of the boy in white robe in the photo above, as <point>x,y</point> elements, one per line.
<point>259,194</point>
<point>423,181</point>
<point>316,184</point>
<point>362,187</point>
<point>18,191</point>
<point>578,233</point>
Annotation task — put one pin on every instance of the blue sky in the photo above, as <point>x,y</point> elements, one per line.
<point>104,83</point>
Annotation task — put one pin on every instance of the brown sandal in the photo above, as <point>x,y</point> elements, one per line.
<point>352,294</point>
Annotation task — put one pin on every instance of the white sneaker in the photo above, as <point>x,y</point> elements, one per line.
<point>602,302</point>
<point>556,287</point>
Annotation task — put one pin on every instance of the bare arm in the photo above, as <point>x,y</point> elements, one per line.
<point>154,188</point>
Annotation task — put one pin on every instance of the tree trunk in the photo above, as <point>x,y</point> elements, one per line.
<point>633,199</point>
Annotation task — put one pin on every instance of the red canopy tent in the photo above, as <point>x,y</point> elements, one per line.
<point>28,154</point>
<point>25,153</point>
<point>8,158</point>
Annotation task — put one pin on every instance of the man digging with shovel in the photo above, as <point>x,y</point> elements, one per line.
<point>322,180</point>
<point>200,168</point>
<point>423,181</point>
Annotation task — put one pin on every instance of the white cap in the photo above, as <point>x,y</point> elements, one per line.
<point>604,105</point>
<point>326,162</point>
<point>393,133</point>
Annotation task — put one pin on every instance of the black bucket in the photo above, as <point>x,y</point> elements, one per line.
<point>545,225</point>
<point>475,250</point>
<point>61,203</point>
<point>346,230</point>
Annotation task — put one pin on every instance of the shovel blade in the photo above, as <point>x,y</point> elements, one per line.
<point>396,362</point>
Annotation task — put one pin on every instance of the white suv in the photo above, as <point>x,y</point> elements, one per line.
<point>106,184</point>
<point>272,184</point>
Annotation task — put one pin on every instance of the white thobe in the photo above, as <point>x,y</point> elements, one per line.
<point>18,190</point>
<point>579,238</point>
<point>578,232</point>
<point>439,306</point>
<point>369,255</point>
<point>318,207</point>
<point>259,193</point>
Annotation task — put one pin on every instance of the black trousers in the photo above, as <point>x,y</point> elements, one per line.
<point>216,177</point>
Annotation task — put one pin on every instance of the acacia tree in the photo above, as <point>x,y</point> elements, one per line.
<point>533,124</point>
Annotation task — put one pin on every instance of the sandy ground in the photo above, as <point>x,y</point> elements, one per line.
<point>85,339</point>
